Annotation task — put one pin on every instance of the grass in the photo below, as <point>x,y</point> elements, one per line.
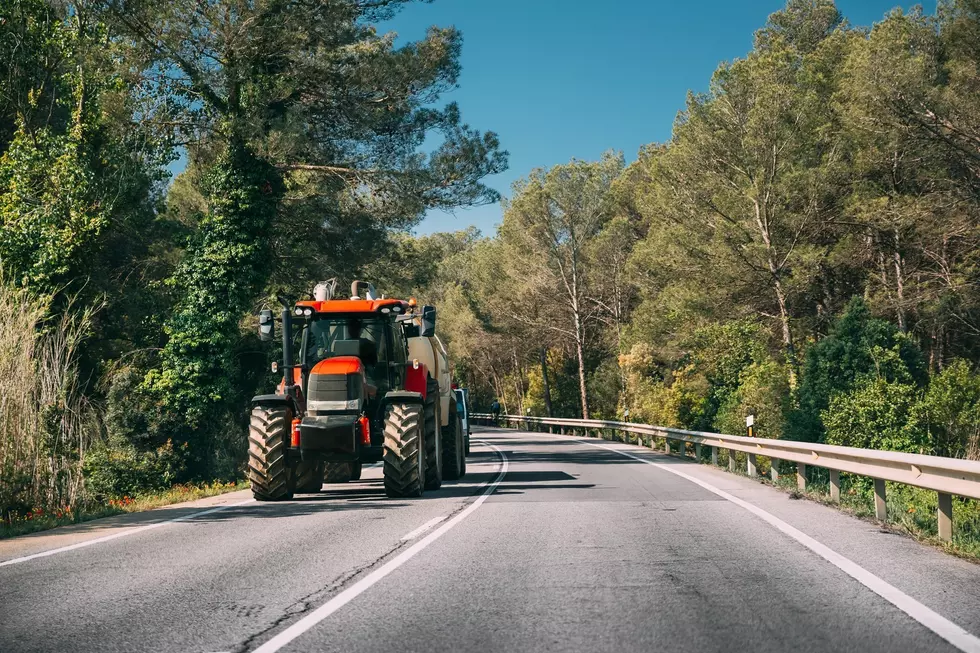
<point>40,520</point>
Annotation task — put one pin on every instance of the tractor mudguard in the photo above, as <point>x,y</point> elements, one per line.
<point>404,397</point>
<point>275,400</point>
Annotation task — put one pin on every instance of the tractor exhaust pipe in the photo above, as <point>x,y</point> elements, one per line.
<point>357,286</point>
<point>287,345</point>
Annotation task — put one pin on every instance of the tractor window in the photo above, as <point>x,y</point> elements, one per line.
<point>399,353</point>
<point>363,337</point>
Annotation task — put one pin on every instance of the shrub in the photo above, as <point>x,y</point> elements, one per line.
<point>877,414</point>
<point>951,410</point>
<point>113,472</point>
<point>858,345</point>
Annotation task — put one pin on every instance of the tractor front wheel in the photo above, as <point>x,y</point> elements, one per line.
<point>268,472</point>
<point>404,451</point>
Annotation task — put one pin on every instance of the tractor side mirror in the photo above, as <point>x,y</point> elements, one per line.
<point>267,327</point>
<point>428,321</point>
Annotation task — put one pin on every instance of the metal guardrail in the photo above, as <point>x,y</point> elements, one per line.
<point>947,476</point>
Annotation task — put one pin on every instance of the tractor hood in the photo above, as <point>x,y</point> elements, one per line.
<point>336,385</point>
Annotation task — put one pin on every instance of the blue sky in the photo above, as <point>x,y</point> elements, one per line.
<point>558,79</point>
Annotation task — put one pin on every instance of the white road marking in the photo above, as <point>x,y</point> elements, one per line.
<point>423,528</point>
<point>949,631</point>
<point>124,533</point>
<point>358,588</point>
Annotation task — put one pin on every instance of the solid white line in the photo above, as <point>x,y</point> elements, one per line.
<point>358,588</point>
<point>124,533</point>
<point>949,631</point>
<point>423,528</point>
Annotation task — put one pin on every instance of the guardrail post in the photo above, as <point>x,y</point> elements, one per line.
<point>714,456</point>
<point>835,486</point>
<point>682,448</point>
<point>801,476</point>
<point>731,460</point>
<point>945,517</point>
<point>667,446</point>
<point>881,513</point>
<point>751,466</point>
<point>697,451</point>
<point>774,470</point>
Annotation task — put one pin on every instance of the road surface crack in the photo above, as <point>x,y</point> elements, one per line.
<point>316,598</point>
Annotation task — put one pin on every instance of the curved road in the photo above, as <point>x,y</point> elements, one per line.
<point>549,544</point>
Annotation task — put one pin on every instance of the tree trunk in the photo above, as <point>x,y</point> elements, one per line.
<point>580,351</point>
<point>784,322</point>
<point>545,384</point>
<point>899,286</point>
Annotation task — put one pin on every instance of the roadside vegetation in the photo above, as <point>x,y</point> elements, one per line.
<point>128,355</point>
<point>804,248</point>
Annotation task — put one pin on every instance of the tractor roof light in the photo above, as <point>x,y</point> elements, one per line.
<point>386,310</point>
<point>298,310</point>
<point>307,312</point>
<point>396,309</point>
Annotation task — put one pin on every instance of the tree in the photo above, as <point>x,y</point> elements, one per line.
<point>915,191</point>
<point>748,189</point>
<point>548,226</point>
<point>299,118</point>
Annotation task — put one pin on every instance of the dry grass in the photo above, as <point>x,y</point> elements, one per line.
<point>46,423</point>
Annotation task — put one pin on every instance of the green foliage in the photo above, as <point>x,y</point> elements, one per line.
<point>876,414</point>
<point>951,408</point>
<point>123,471</point>
<point>764,390</point>
<point>858,346</point>
<point>51,212</point>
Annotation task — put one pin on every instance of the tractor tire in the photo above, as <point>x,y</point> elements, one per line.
<point>433,447</point>
<point>337,473</point>
<point>404,451</point>
<point>309,478</point>
<point>453,458</point>
<point>355,471</point>
<point>467,445</point>
<point>269,474</point>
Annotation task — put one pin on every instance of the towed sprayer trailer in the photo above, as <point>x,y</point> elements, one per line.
<point>365,379</point>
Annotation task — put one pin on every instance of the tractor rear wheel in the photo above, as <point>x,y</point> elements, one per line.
<point>355,471</point>
<point>404,450</point>
<point>433,447</point>
<point>309,477</point>
<point>453,458</point>
<point>268,472</point>
<point>337,473</point>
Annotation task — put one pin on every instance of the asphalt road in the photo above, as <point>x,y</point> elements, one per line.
<point>549,544</point>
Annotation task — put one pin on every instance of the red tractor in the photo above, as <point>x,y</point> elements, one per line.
<point>371,383</point>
